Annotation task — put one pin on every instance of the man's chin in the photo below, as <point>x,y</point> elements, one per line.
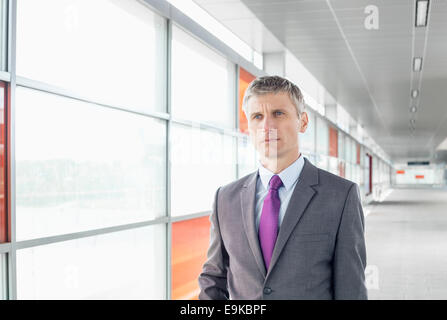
<point>271,155</point>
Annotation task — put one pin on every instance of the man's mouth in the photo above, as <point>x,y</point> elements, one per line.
<point>269,140</point>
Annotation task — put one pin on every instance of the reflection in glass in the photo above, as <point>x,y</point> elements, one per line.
<point>203,82</point>
<point>80,166</point>
<point>119,265</point>
<point>202,161</point>
<point>111,50</point>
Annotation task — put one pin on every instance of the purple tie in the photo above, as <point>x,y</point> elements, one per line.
<point>268,226</point>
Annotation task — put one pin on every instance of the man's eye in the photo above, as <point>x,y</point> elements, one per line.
<point>257,116</point>
<point>278,112</point>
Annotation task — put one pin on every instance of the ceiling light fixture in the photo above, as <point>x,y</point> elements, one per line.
<point>417,64</point>
<point>413,109</point>
<point>414,93</point>
<point>422,13</point>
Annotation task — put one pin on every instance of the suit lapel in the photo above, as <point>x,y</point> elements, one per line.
<point>302,195</point>
<point>248,194</point>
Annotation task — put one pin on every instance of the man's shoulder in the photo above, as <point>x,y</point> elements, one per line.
<point>333,181</point>
<point>236,185</point>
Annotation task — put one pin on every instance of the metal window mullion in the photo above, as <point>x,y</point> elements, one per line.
<point>12,260</point>
<point>62,92</point>
<point>190,216</point>
<point>84,234</point>
<point>168,161</point>
<point>236,125</point>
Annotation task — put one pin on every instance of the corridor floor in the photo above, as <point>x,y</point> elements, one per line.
<point>406,242</point>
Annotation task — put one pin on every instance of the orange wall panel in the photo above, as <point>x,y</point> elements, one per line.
<point>190,240</point>
<point>4,227</point>
<point>244,80</point>
<point>333,142</point>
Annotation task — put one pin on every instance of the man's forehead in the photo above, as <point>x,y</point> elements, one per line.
<point>259,105</point>
<point>280,99</point>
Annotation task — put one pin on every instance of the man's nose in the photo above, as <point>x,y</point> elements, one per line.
<point>268,124</point>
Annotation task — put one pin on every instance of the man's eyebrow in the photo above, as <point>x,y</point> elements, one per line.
<point>274,110</point>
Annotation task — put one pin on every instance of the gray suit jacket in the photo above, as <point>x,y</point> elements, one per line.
<point>319,253</point>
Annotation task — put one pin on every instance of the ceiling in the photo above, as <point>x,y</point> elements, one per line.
<point>369,72</point>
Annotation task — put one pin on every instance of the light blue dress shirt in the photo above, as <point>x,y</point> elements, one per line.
<point>289,177</point>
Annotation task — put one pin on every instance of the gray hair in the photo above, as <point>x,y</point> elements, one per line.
<point>274,84</point>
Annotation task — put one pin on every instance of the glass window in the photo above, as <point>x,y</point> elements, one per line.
<point>3,34</point>
<point>322,161</point>
<point>358,175</point>
<point>202,161</point>
<point>348,171</point>
<point>3,161</point>
<point>333,165</point>
<point>341,154</point>
<point>307,139</point>
<point>190,240</point>
<point>80,166</point>
<point>3,281</point>
<point>203,82</point>
<point>349,150</point>
<point>341,168</point>
<point>128,264</point>
<point>358,152</point>
<point>368,175</point>
<point>248,157</point>
<point>353,151</point>
<point>322,137</point>
<point>114,51</point>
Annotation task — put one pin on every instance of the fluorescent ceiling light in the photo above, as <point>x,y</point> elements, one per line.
<point>417,64</point>
<point>421,13</point>
<point>442,145</point>
<point>413,109</point>
<point>414,93</point>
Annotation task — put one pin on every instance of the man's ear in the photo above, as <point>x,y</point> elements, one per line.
<point>304,120</point>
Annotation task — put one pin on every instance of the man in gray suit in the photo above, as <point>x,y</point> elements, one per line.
<point>289,230</point>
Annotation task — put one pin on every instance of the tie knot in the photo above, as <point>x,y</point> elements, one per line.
<point>275,182</point>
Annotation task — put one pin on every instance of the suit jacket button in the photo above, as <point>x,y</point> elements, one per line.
<point>267,290</point>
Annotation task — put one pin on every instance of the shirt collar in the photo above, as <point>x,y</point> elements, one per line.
<point>288,176</point>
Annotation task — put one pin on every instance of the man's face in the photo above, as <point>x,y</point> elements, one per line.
<point>273,125</point>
